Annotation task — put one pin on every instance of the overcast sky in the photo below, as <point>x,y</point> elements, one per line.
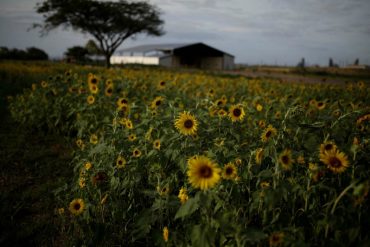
<point>254,31</point>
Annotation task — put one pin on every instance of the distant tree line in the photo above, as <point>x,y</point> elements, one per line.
<point>31,53</point>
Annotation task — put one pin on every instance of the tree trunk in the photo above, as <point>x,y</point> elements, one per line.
<point>107,60</point>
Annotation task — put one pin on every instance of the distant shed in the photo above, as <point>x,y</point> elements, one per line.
<point>193,55</point>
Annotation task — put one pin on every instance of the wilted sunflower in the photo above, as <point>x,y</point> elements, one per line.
<point>320,105</point>
<point>230,171</point>
<point>121,162</point>
<point>157,102</point>
<point>77,206</point>
<point>276,239</point>
<point>335,160</point>
<point>186,124</point>
<point>203,173</point>
<point>93,139</point>
<point>285,159</point>
<point>90,99</point>
<point>268,133</point>
<point>136,153</point>
<point>259,156</point>
<point>236,113</point>
<point>327,146</point>
<point>157,144</point>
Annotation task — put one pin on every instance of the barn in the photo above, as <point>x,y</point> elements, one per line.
<point>191,55</point>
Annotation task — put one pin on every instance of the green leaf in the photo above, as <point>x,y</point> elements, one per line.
<point>199,236</point>
<point>188,208</point>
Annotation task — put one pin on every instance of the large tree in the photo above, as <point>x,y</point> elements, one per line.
<point>110,23</point>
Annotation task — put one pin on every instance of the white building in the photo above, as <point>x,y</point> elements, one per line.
<point>193,55</point>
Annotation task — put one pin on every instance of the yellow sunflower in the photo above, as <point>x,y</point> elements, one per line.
<point>108,91</point>
<point>335,160</point>
<point>186,124</point>
<point>94,139</point>
<point>259,107</point>
<point>77,206</point>
<point>203,173</point>
<point>161,85</point>
<point>93,89</point>
<point>121,102</point>
<point>121,162</point>
<point>157,144</point>
<point>285,159</point>
<point>44,84</point>
<point>236,113</point>
<point>109,82</point>
<point>327,146</point>
<point>80,144</point>
<point>129,124</point>
<point>132,137</point>
<point>221,113</point>
<point>157,102</point>
<point>90,99</point>
<point>88,166</point>
<point>268,133</point>
<point>136,153</point>
<point>230,171</point>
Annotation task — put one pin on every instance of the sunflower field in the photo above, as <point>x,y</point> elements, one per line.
<point>165,158</point>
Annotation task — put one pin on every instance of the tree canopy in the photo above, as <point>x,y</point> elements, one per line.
<point>109,23</point>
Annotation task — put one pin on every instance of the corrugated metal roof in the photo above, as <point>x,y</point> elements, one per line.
<point>163,47</point>
<point>155,47</point>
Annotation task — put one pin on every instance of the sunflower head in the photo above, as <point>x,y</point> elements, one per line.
<point>183,195</point>
<point>202,172</point>
<point>268,133</point>
<point>132,137</point>
<point>327,146</point>
<point>120,162</point>
<point>335,161</point>
<point>186,124</point>
<point>230,171</point>
<point>236,113</point>
<point>165,234</point>
<point>157,102</point>
<point>90,99</point>
<point>157,144</point>
<point>136,153</point>
<point>320,105</point>
<point>88,166</point>
<point>77,206</point>
<point>94,139</point>
<point>108,91</point>
<point>285,159</point>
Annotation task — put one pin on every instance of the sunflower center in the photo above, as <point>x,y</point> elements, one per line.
<point>285,159</point>
<point>320,104</point>
<point>205,171</point>
<point>237,112</point>
<point>77,206</point>
<point>229,171</point>
<point>328,147</point>
<point>188,124</point>
<point>268,133</point>
<point>109,90</point>
<point>93,81</point>
<point>123,101</point>
<point>335,162</point>
<point>158,102</point>
<point>120,162</point>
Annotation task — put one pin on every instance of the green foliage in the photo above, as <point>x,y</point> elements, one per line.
<point>130,203</point>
